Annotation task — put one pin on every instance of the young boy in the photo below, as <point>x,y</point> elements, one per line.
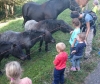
<point>60,63</point>
<point>72,41</point>
<point>78,52</point>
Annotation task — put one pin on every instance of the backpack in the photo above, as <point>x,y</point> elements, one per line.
<point>92,22</point>
<point>93,14</point>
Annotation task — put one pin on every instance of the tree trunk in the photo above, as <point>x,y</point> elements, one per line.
<point>6,10</point>
<point>12,9</point>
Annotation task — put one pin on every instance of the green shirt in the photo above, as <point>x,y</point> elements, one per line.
<point>74,35</point>
<point>95,9</point>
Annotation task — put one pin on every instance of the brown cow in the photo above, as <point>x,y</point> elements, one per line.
<point>82,3</point>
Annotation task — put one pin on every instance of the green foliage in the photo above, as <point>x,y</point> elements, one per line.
<point>18,11</point>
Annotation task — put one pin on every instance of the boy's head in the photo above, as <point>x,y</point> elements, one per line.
<point>74,14</point>
<point>81,36</point>
<point>95,2</point>
<point>60,47</point>
<point>76,22</point>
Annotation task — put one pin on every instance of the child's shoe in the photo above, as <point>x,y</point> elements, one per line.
<point>78,68</point>
<point>73,69</point>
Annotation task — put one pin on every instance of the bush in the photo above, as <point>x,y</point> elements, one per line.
<point>18,11</point>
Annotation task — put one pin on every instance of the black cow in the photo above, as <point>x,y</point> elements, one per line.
<point>7,48</point>
<point>48,10</point>
<point>25,39</point>
<point>49,26</point>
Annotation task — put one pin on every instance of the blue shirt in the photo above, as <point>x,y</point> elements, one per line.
<point>79,49</point>
<point>88,17</point>
<point>74,35</point>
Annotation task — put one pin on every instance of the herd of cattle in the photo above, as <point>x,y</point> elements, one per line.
<point>13,43</point>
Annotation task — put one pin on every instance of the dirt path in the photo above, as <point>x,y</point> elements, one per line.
<point>93,77</point>
<point>6,23</point>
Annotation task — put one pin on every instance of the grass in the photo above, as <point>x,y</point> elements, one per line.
<point>40,68</point>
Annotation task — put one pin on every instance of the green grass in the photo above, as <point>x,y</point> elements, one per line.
<point>40,68</point>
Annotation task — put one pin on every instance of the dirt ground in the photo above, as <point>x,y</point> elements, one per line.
<point>93,77</point>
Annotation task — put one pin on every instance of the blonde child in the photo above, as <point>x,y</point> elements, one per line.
<point>14,71</point>
<point>60,63</point>
<point>96,6</point>
<point>72,41</point>
<point>78,52</point>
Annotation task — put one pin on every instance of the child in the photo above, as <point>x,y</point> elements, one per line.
<point>72,41</point>
<point>60,63</point>
<point>96,4</point>
<point>78,52</point>
<point>14,71</point>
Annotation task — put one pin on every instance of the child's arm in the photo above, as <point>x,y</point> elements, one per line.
<point>73,51</point>
<point>71,32</point>
<point>76,49</point>
<point>56,60</point>
<point>73,43</point>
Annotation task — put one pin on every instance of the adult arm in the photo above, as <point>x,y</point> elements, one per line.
<point>88,28</point>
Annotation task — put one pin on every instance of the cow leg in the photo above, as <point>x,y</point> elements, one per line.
<point>6,56</point>
<point>46,46</point>
<point>28,54</point>
<point>1,73</point>
<point>41,42</point>
<point>25,20</point>
<point>1,57</point>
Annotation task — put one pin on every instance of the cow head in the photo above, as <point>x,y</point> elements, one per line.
<point>64,27</point>
<point>48,37</point>
<point>16,51</point>
<point>74,6</point>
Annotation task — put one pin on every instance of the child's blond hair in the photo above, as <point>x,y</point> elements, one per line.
<point>82,36</point>
<point>13,71</point>
<point>60,46</point>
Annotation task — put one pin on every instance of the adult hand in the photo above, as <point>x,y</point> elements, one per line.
<point>85,42</point>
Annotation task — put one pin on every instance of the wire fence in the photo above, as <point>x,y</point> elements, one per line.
<point>58,28</point>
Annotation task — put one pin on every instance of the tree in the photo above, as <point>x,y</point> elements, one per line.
<point>7,6</point>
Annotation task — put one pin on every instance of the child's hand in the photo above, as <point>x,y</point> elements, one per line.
<point>56,56</point>
<point>72,45</point>
<point>71,32</point>
<point>73,51</point>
